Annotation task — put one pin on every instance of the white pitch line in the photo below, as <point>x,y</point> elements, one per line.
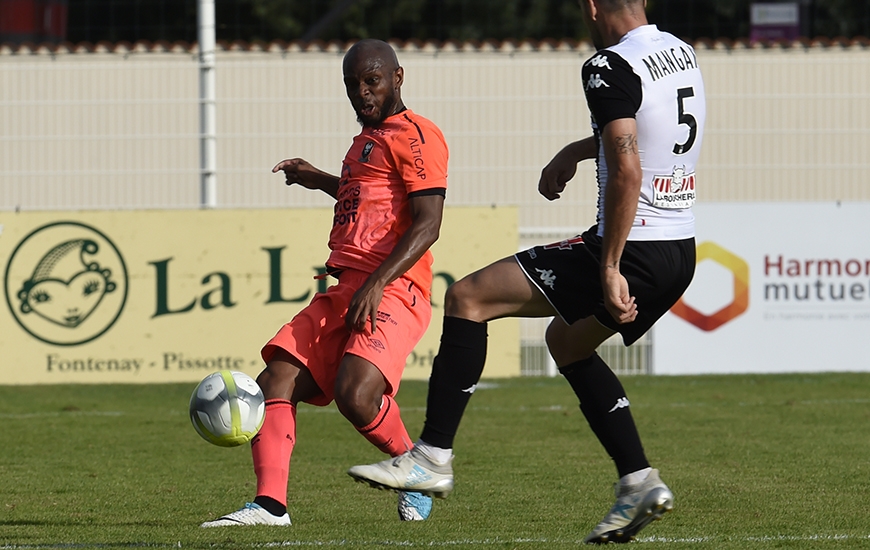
<point>767,538</point>
<point>445,543</point>
<point>521,541</point>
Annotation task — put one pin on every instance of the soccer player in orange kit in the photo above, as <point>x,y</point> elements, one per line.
<point>351,342</point>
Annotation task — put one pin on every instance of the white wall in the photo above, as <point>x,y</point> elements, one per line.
<point>119,129</point>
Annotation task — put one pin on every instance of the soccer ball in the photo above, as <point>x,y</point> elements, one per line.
<point>227,408</point>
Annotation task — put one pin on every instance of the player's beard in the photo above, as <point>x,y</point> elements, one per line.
<point>383,112</point>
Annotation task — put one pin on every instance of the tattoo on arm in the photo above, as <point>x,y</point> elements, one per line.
<point>626,144</point>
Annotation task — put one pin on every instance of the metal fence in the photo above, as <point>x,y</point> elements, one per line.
<point>116,127</point>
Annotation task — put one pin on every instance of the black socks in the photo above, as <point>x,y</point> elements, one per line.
<point>606,408</point>
<point>455,372</point>
<point>271,505</point>
<point>459,365</point>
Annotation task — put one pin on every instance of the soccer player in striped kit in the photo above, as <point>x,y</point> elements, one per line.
<point>646,97</point>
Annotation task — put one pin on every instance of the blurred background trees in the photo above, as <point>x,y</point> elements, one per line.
<point>437,20</point>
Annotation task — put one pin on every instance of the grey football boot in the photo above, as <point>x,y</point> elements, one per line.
<point>636,507</point>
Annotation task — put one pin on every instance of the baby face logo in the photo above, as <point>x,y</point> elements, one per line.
<point>66,283</point>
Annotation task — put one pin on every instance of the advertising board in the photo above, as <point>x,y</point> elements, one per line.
<point>171,295</point>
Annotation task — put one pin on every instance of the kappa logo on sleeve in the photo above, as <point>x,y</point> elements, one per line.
<point>595,81</point>
<point>601,62</point>
<point>66,283</point>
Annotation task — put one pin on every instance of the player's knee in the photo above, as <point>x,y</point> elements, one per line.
<point>357,405</point>
<point>555,338</point>
<point>566,347</point>
<point>556,334</point>
<point>276,382</point>
<point>460,299</point>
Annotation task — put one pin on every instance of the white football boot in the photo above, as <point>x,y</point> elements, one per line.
<point>411,471</point>
<point>251,514</point>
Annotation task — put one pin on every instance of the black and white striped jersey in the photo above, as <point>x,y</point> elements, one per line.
<point>653,77</point>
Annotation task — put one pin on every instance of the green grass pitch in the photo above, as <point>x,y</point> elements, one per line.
<point>764,461</point>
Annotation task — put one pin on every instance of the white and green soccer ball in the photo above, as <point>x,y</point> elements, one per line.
<point>227,408</point>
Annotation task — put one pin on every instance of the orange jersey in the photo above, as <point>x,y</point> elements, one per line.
<point>405,154</point>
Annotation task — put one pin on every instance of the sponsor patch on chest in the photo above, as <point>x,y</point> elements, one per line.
<point>675,191</point>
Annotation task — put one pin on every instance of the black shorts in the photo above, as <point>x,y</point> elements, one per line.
<point>568,273</point>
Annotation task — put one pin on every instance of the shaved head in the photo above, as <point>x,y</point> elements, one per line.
<point>609,20</point>
<point>373,80</point>
<point>376,53</point>
<point>617,5</point>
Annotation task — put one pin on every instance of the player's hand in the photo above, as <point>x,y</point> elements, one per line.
<point>617,299</point>
<point>556,174</point>
<point>363,308</point>
<point>299,171</point>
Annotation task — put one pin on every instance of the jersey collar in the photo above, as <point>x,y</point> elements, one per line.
<point>643,29</point>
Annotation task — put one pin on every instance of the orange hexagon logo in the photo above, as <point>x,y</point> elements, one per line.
<point>739,269</point>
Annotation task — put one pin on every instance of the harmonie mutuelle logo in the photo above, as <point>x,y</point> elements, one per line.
<point>739,304</point>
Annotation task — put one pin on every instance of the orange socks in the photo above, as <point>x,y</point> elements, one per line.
<point>273,445</point>
<point>271,449</point>
<point>387,431</point>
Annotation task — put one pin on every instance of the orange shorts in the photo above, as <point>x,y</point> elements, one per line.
<point>318,337</point>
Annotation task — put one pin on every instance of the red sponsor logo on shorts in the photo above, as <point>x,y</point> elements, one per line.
<point>567,244</point>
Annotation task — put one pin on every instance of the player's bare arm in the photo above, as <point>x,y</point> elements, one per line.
<point>559,171</point>
<point>426,214</point>
<point>619,139</point>
<point>300,171</point>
